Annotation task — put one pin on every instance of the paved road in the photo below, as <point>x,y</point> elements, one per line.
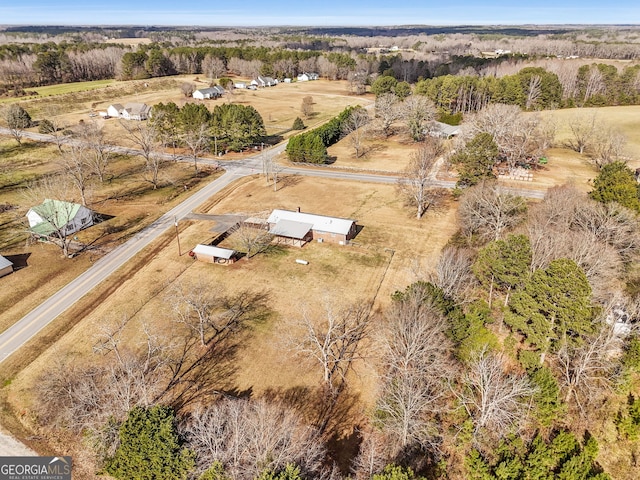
<point>18,334</point>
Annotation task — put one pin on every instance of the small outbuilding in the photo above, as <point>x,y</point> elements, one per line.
<point>443,130</point>
<point>211,254</point>
<point>291,232</point>
<point>6,266</point>
<point>207,93</point>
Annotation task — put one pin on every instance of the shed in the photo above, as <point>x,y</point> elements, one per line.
<point>211,254</point>
<point>443,130</point>
<point>6,266</point>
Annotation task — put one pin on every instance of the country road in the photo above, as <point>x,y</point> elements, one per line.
<point>29,326</point>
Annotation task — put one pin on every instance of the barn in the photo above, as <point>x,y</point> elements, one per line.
<point>6,266</point>
<point>289,227</point>
<point>211,254</point>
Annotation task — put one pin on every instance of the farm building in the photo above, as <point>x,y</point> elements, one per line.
<point>240,85</point>
<point>206,93</point>
<point>298,228</point>
<point>55,217</point>
<point>130,111</point>
<point>6,266</point>
<point>211,254</point>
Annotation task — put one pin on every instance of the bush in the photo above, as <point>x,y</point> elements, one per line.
<point>298,124</point>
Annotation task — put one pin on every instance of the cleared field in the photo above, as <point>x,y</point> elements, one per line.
<point>389,246</point>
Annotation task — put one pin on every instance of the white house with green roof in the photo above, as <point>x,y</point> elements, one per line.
<point>58,218</point>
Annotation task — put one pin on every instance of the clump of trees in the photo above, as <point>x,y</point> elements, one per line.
<point>311,146</point>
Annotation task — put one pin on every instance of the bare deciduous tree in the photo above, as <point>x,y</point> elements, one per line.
<point>416,360</point>
<point>145,137</point>
<point>417,111</point>
<point>416,179</point>
<point>453,273</point>
<point>306,108</point>
<point>355,127</point>
<point>486,209</point>
<point>250,239</point>
<point>589,370</point>
<point>250,436</point>
<point>98,151</point>
<point>495,400</point>
<point>213,67</point>
<point>76,165</point>
<point>197,140</point>
<point>333,342</point>
<point>387,112</point>
<point>582,128</point>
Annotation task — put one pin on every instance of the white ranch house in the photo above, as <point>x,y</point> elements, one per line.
<point>130,111</point>
<point>306,77</point>
<point>207,93</point>
<point>58,218</point>
<point>264,82</point>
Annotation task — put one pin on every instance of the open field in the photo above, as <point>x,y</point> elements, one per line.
<point>381,261</point>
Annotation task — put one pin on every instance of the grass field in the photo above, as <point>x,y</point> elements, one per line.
<point>392,250</point>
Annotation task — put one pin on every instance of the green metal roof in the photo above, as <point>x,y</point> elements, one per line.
<point>56,214</point>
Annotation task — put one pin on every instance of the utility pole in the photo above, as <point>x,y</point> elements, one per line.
<point>177,236</point>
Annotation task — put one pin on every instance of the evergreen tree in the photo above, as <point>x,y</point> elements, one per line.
<point>150,448</point>
<point>616,183</point>
<point>298,124</point>
<point>553,307</point>
<point>476,161</point>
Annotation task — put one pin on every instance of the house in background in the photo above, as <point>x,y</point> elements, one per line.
<point>130,111</point>
<point>264,82</point>
<point>207,93</point>
<point>240,85</point>
<point>58,218</point>
<point>306,77</point>
<point>296,228</point>
<point>6,266</point>
<point>442,130</point>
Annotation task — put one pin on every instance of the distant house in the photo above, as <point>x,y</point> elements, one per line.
<point>443,130</point>
<point>136,111</point>
<point>58,218</point>
<point>206,93</point>
<point>240,85</point>
<point>115,110</point>
<point>211,254</point>
<point>130,111</point>
<point>287,80</point>
<point>6,266</point>
<point>306,77</point>
<point>264,82</point>
<point>296,228</point>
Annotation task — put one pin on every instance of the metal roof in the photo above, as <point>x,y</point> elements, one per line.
<point>4,262</point>
<point>319,222</point>
<point>213,251</point>
<point>291,229</point>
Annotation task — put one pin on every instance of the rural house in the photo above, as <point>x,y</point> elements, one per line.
<point>296,228</point>
<point>240,85</point>
<point>211,254</point>
<point>6,266</point>
<point>130,111</point>
<point>264,82</point>
<point>306,77</point>
<point>442,130</point>
<point>207,93</point>
<point>58,218</point>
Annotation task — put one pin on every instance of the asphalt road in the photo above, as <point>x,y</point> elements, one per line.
<point>27,327</point>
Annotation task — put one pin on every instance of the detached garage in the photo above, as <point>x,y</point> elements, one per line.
<point>211,254</point>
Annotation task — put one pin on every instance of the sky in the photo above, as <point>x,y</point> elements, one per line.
<point>317,12</point>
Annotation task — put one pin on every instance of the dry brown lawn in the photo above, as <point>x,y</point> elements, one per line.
<point>383,259</point>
